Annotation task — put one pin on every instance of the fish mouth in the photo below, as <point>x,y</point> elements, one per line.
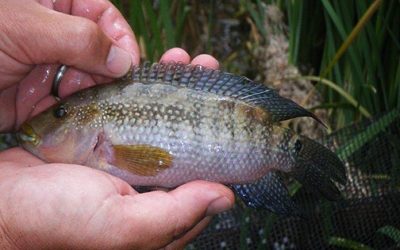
<point>27,134</point>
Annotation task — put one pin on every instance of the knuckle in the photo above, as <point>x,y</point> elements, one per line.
<point>88,33</point>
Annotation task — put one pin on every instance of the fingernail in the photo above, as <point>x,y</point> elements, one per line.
<point>219,205</point>
<point>118,61</point>
<point>126,42</point>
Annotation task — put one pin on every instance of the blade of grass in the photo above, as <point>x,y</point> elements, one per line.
<point>155,30</point>
<point>354,33</point>
<point>257,16</point>
<point>339,90</point>
<point>183,11</point>
<point>295,10</point>
<point>166,21</point>
<point>360,139</point>
<point>347,243</point>
<point>351,65</point>
<point>390,232</point>
<point>138,22</point>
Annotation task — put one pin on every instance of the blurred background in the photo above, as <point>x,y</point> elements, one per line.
<point>340,59</point>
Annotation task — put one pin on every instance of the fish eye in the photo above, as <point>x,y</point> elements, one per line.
<point>298,145</point>
<point>60,111</point>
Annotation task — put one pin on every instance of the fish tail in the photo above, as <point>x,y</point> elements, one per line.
<point>319,168</point>
<point>316,167</point>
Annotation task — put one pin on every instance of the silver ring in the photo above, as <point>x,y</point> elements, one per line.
<point>57,79</point>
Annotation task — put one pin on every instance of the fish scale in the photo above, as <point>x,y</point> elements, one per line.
<point>168,124</point>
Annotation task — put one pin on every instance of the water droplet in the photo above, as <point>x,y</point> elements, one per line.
<point>31,90</point>
<point>46,75</point>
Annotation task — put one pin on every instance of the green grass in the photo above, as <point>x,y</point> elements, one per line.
<point>157,27</point>
<point>391,232</point>
<point>347,244</point>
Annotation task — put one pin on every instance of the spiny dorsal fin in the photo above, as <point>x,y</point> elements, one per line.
<point>221,83</point>
<point>143,160</point>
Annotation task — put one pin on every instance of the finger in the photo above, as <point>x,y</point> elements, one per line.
<point>166,216</point>
<point>73,81</point>
<point>175,55</point>
<point>110,20</point>
<point>7,108</point>
<point>34,88</point>
<point>70,40</point>
<point>206,61</point>
<point>115,26</point>
<point>191,235</point>
<point>20,156</point>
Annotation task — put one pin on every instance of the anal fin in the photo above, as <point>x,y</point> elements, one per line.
<point>269,193</point>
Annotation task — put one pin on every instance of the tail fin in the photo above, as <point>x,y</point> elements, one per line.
<point>318,167</point>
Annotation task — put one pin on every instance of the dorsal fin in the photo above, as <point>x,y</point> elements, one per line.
<point>221,83</point>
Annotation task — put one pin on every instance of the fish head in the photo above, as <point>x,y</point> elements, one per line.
<point>65,132</point>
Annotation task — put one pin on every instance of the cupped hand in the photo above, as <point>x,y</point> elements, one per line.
<point>65,206</point>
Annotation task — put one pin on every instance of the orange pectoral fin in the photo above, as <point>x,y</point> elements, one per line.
<point>142,160</point>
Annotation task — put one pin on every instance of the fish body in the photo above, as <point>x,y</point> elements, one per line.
<point>167,124</point>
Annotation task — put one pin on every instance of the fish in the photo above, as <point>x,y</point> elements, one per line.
<point>165,124</point>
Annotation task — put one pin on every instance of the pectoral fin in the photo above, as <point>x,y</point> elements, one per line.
<point>142,160</point>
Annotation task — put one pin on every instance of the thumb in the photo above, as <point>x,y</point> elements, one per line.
<point>46,36</point>
<point>167,216</point>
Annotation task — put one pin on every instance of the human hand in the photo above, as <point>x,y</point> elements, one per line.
<point>65,206</point>
<point>89,35</point>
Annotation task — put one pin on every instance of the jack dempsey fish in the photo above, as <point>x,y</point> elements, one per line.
<point>167,124</point>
